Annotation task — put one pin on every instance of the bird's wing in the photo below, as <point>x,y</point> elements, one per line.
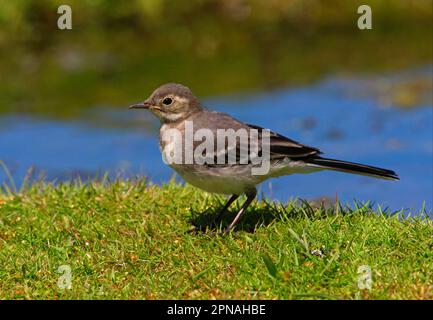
<point>281,146</point>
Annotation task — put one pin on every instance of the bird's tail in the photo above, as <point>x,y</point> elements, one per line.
<point>352,167</point>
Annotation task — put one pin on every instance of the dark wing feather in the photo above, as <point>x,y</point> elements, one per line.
<point>282,146</point>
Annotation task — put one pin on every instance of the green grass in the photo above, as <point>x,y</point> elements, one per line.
<point>132,240</point>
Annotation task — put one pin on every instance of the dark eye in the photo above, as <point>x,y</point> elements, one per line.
<point>167,101</point>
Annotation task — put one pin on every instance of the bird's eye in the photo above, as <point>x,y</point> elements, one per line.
<point>167,101</point>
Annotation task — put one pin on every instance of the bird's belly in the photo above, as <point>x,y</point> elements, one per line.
<point>237,179</point>
<point>225,180</point>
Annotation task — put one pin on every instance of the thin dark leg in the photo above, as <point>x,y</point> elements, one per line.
<point>226,206</point>
<point>250,198</point>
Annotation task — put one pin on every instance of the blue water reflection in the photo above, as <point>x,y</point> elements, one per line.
<point>327,115</point>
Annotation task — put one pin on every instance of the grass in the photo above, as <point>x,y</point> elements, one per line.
<point>133,240</point>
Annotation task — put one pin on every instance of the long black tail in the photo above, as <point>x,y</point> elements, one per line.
<point>351,167</point>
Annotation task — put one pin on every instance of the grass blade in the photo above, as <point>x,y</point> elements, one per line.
<point>272,269</point>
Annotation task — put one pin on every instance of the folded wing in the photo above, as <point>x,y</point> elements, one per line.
<point>281,146</point>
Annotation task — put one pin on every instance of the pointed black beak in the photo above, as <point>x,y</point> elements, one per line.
<point>141,105</point>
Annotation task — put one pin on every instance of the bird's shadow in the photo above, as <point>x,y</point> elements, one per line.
<point>254,217</point>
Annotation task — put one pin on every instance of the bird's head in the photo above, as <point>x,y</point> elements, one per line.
<point>170,102</point>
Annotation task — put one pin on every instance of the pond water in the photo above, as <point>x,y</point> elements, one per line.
<point>350,119</point>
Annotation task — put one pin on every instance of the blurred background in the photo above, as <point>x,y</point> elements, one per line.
<point>300,67</point>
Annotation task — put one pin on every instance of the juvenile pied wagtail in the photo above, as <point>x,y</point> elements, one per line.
<point>176,107</point>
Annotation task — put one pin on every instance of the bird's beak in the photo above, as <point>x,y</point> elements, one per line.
<point>141,105</point>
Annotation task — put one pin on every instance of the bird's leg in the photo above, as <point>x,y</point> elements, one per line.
<point>226,206</point>
<point>250,198</point>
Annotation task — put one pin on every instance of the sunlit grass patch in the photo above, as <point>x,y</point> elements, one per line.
<point>135,240</point>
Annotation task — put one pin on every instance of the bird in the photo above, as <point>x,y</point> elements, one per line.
<point>177,108</point>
